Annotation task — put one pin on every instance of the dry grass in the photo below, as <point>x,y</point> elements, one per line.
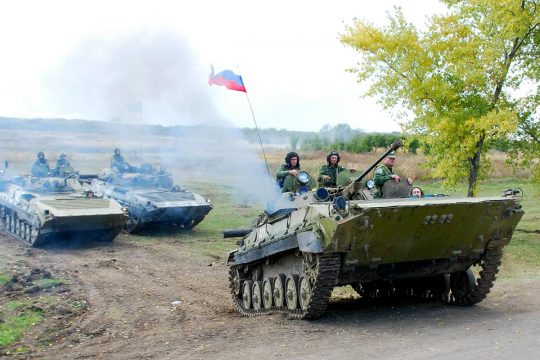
<point>91,152</point>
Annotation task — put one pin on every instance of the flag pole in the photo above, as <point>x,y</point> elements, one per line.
<point>258,133</point>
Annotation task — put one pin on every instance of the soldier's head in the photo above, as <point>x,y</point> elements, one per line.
<point>62,159</point>
<point>41,155</point>
<point>417,192</point>
<point>333,158</point>
<point>293,160</point>
<point>117,151</point>
<point>390,159</point>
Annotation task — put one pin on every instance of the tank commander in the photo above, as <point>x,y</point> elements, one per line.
<point>117,160</point>
<point>41,166</point>
<point>63,167</point>
<point>384,172</point>
<point>328,175</point>
<point>290,168</point>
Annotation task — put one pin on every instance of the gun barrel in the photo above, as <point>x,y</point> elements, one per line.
<point>235,233</point>
<point>396,145</point>
<point>87,176</point>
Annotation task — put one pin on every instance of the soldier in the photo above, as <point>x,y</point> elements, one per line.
<point>417,192</point>
<point>384,172</point>
<point>117,160</point>
<point>328,175</point>
<point>63,167</point>
<point>41,166</point>
<point>291,167</point>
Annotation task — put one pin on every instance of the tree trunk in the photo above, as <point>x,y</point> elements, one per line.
<point>474,168</point>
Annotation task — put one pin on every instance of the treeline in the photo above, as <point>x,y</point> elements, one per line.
<point>358,144</point>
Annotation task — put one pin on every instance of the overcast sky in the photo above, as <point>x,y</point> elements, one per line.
<point>95,60</point>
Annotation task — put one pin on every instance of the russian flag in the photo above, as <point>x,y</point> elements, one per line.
<point>228,79</point>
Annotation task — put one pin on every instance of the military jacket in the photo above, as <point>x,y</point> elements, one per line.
<point>381,175</point>
<point>283,171</point>
<point>40,168</point>
<point>117,161</point>
<point>332,172</point>
<point>63,168</point>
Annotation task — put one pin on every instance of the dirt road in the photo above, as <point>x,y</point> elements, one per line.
<point>153,300</point>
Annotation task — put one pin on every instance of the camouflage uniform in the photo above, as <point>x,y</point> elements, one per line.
<point>282,172</point>
<point>331,171</point>
<point>63,167</point>
<point>117,161</point>
<point>41,166</point>
<point>381,175</point>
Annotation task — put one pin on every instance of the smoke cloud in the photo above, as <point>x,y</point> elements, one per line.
<point>155,78</point>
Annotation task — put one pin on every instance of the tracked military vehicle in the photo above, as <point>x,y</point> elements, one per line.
<point>292,257</point>
<point>151,198</point>
<point>39,210</point>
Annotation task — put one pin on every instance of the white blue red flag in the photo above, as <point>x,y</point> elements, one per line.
<point>228,79</point>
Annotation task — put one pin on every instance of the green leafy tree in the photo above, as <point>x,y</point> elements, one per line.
<point>456,80</point>
<point>525,145</point>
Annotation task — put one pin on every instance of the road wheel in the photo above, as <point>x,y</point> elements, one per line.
<point>11,226</point>
<point>33,235</point>
<point>131,225</point>
<point>304,292</point>
<point>18,227</point>
<point>256,295</point>
<point>28,233</point>
<point>279,290</point>
<point>246,294</point>
<point>291,291</point>
<point>462,284</point>
<point>267,292</point>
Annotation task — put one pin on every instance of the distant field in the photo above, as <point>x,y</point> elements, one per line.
<point>91,151</point>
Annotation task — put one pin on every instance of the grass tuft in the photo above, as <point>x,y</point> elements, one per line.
<point>17,321</point>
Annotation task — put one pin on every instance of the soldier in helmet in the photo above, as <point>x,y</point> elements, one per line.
<point>290,168</point>
<point>384,172</point>
<point>117,160</point>
<point>63,167</point>
<point>329,172</point>
<point>41,166</point>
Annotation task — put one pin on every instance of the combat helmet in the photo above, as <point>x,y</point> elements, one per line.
<point>289,156</point>
<point>330,154</point>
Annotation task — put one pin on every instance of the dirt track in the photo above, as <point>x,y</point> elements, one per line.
<point>153,300</point>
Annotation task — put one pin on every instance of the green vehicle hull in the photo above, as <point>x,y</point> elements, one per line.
<point>293,257</point>
<point>381,247</point>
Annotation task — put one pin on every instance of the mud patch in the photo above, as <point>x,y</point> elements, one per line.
<point>42,293</point>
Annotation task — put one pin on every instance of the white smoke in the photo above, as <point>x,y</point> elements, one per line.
<point>155,78</point>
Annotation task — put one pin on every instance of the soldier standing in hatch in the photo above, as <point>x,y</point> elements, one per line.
<point>385,172</point>
<point>328,174</point>
<point>117,160</point>
<point>291,167</point>
<point>41,166</point>
<point>63,167</point>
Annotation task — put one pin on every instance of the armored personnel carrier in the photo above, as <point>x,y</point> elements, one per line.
<point>151,198</point>
<point>292,257</point>
<point>38,210</point>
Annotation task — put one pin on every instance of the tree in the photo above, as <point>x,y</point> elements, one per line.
<point>525,145</point>
<point>458,79</point>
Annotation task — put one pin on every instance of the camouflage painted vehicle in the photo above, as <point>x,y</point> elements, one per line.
<point>151,198</point>
<point>39,210</point>
<point>292,257</point>
<point>3,180</point>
